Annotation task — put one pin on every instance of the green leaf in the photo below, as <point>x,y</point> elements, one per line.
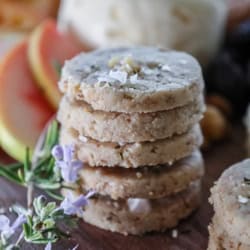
<point>10,175</point>
<point>29,221</point>
<point>38,204</point>
<point>18,209</point>
<point>54,195</point>
<point>33,237</point>
<point>51,166</point>
<point>41,165</point>
<point>27,163</point>
<point>27,229</point>
<point>56,231</point>
<point>14,166</point>
<point>45,185</point>
<point>29,175</point>
<point>20,175</point>
<point>52,135</point>
<point>47,210</point>
<point>48,223</point>
<point>41,240</point>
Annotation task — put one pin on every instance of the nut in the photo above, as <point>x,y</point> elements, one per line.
<point>113,61</point>
<point>221,103</point>
<point>214,125</point>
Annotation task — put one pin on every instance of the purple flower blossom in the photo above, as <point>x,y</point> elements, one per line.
<point>72,205</point>
<point>57,153</point>
<point>6,229</point>
<point>64,156</point>
<point>48,246</point>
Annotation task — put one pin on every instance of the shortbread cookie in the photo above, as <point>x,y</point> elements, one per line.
<point>220,240</point>
<point>128,128</point>
<point>138,216</point>
<point>230,197</point>
<point>150,183</point>
<point>132,155</point>
<point>136,79</point>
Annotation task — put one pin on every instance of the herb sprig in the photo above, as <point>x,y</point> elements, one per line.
<point>40,170</point>
<point>47,169</point>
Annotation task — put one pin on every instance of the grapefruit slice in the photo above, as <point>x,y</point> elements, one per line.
<point>48,49</point>
<point>23,110</point>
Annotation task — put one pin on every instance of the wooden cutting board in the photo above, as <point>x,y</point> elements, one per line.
<point>193,234</point>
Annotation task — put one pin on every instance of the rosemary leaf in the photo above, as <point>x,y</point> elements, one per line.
<point>42,184</point>
<point>10,175</point>
<point>27,163</point>
<point>54,195</point>
<point>13,166</point>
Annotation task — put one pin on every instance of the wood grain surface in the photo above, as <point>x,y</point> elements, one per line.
<point>193,234</point>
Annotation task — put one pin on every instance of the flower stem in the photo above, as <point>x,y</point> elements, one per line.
<point>20,238</point>
<point>30,190</point>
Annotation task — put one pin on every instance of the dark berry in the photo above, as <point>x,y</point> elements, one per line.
<point>238,42</point>
<point>240,36</point>
<point>227,77</point>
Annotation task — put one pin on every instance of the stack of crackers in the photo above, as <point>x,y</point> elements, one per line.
<point>133,115</point>
<point>230,228</point>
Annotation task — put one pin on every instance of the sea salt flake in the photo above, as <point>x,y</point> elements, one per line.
<point>128,68</point>
<point>121,76</point>
<point>134,78</point>
<point>242,199</point>
<point>83,138</point>
<point>165,67</point>
<point>105,79</point>
<point>147,71</point>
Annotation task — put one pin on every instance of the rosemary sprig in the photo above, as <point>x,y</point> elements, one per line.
<point>44,226</point>
<point>40,171</point>
<point>42,220</point>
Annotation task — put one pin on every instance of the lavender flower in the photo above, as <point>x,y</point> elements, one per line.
<point>73,206</point>
<point>6,229</point>
<point>64,156</point>
<point>57,152</point>
<point>48,246</point>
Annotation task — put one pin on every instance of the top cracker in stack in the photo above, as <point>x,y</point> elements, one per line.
<point>133,115</point>
<point>130,80</point>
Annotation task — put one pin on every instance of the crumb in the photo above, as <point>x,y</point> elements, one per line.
<point>174,233</point>
<point>242,199</point>
<point>116,204</point>
<point>83,138</point>
<point>138,175</point>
